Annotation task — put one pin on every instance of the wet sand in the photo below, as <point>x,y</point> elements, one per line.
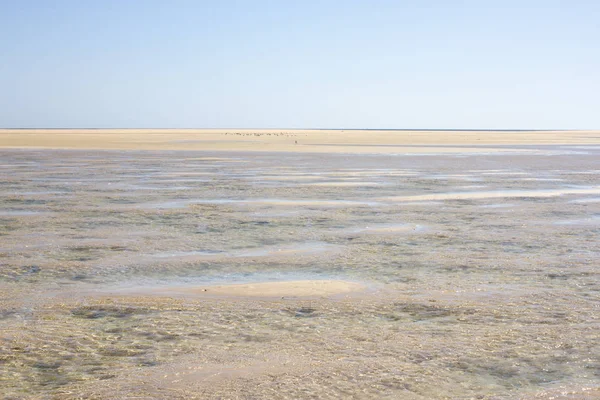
<point>182,274</point>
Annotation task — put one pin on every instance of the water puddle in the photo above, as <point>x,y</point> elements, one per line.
<point>288,250</point>
<point>278,213</point>
<point>197,253</point>
<point>498,205</point>
<point>372,172</point>
<point>586,200</point>
<point>502,173</point>
<point>590,147</point>
<point>541,179</point>
<point>174,204</point>
<point>295,249</point>
<point>344,184</point>
<point>275,202</point>
<point>315,202</point>
<point>38,193</point>
<point>19,213</point>
<point>492,194</point>
<point>453,177</point>
<point>156,188</point>
<point>422,203</point>
<point>594,220</point>
<point>471,187</point>
<point>384,229</point>
<point>291,177</point>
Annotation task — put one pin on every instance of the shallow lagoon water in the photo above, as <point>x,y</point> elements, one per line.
<point>487,291</point>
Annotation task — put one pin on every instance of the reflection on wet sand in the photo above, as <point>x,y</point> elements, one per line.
<point>495,194</point>
<point>282,250</point>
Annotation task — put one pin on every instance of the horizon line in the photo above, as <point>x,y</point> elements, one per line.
<point>321,129</point>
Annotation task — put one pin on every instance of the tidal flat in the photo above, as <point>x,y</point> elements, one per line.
<point>451,275</point>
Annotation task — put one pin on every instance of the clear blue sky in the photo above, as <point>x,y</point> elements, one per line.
<point>300,64</point>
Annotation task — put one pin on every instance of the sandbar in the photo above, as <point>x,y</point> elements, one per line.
<point>293,140</point>
<point>302,288</point>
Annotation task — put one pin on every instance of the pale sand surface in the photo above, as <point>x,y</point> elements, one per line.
<point>306,288</point>
<point>288,140</point>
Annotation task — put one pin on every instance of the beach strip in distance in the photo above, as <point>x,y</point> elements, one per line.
<point>291,140</point>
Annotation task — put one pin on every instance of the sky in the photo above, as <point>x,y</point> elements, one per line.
<point>429,64</point>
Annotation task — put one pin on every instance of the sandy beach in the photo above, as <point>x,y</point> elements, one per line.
<point>289,140</point>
